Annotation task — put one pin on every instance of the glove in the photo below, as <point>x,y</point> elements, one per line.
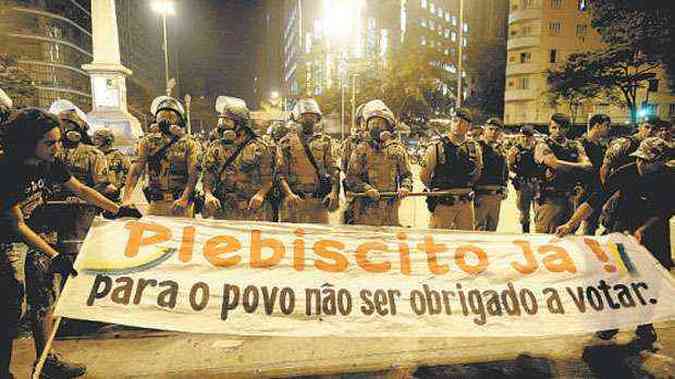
<point>124,211</point>
<point>62,265</point>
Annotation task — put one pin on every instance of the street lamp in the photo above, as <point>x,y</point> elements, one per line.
<point>353,102</point>
<point>165,7</point>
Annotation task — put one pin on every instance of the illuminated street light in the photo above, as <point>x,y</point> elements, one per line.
<point>274,95</point>
<point>165,7</point>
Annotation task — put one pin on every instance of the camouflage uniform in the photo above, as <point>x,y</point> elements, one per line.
<point>454,168</point>
<point>295,168</point>
<point>250,172</point>
<point>385,169</point>
<point>168,180</point>
<point>118,163</point>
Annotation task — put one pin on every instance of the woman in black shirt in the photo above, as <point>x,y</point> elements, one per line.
<point>28,168</point>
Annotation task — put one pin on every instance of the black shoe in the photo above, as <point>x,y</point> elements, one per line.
<point>56,367</point>
<point>526,227</point>
<point>607,334</point>
<point>645,337</point>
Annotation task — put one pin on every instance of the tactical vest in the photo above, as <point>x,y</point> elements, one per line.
<point>563,180</point>
<point>454,171</point>
<point>382,168</point>
<point>525,165</point>
<point>494,166</point>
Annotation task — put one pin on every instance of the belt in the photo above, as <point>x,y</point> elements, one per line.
<point>456,199</point>
<point>490,190</point>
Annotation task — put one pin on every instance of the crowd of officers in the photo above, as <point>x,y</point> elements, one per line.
<point>292,174</point>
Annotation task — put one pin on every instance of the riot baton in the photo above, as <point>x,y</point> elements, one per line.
<point>411,194</point>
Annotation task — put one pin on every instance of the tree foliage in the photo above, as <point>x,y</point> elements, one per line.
<point>486,97</point>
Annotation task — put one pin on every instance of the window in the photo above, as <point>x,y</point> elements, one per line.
<point>464,42</point>
<point>553,56</point>
<point>424,41</point>
<point>308,43</point>
<point>527,4</point>
<point>454,20</point>
<point>424,4</point>
<point>583,5</point>
<point>424,23</point>
<point>555,4</point>
<point>432,9</point>
<point>525,57</point>
<point>671,110</point>
<point>431,25</point>
<point>466,27</point>
<point>524,83</point>
<point>453,36</point>
<point>582,29</point>
<point>447,16</point>
<point>554,27</point>
<point>526,31</point>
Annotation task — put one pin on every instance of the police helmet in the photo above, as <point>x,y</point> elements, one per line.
<point>164,102</point>
<point>377,108</point>
<point>234,108</point>
<point>304,106</point>
<point>104,135</point>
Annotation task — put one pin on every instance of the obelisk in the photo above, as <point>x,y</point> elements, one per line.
<point>108,79</point>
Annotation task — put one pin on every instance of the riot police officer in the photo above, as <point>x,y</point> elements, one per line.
<point>564,161</point>
<point>453,164</point>
<point>491,188</point>
<point>118,163</point>
<point>357,136</point>
<point>526,171</point>
<point>238,167</point>
<point>88,165</point>
<point>307,172</point>
<point>379,164</point>
<point>619,151</point>
<point>173,162</point>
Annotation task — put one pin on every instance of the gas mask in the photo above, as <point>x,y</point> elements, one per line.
<point>307,126</point>
<point>73,135</point>
<point>167,128</point>
<point>227,133</point>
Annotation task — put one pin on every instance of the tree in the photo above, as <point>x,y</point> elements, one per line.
<point>486,97</point>
<point>16,82</point>
<point>572,85</point>
<point>647,27</point>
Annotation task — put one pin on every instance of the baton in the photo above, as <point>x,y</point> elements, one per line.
<point>411,194</point>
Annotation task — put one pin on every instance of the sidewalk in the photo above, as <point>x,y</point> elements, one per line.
<point>147,354</point>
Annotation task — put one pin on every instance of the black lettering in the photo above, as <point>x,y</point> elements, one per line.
<point>230,300</point>
<point>142,283</point>
<point>122,294</point>
<point>96,291</point>
<point>203,288</point>
<point>167,298</point>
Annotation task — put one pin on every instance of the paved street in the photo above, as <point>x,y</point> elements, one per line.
<point>121,352</point>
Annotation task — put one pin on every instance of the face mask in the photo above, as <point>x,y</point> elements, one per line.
<point>164,127</point>
<point>228,135</point>
<point>307,127</point>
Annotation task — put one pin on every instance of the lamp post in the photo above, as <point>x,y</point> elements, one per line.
<point>353,103</point>
<point>165,7</point>
<point>188,100</point>
<point>460,64</point>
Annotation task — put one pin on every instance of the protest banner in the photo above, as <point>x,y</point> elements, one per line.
<point>248,278</point>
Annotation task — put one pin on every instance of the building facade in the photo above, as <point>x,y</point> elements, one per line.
<point>51,40</point>
<point>542,34</point>
<point>325,42</point>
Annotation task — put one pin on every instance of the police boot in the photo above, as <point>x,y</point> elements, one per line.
<point>646,337</point>
<point>57,367</point>
<point>526,227</point>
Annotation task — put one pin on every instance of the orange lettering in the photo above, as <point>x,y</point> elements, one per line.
<point>404,252</point>
<point>362,257</point>
<point>214,248</point>
<point>559,261</point>
<point>257,244</point>
<point>460,259</point>
<point>299,251</point>
<point>531,264</point>
<point>431,249</point>
<point>136,240</point>
<point>187,245</point>
<point>321,248</point>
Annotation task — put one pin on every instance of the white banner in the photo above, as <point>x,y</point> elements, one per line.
<point>248,278</point>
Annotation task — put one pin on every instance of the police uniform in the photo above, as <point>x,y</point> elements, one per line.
<point>168,178</point>
<point>294,166</point>
<point>556,188</point>
<point>385,169</point>
<point>491,187</point>
<point>118,163</point>
<point>89,166</point>
<point>526,172</point>
<point>453,168</point>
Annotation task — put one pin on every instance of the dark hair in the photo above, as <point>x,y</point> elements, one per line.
<point>24,129</point>
<point>562,119</point>
<point>598,119</point>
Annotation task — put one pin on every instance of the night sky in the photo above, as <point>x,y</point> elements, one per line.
<point>214,40</point>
